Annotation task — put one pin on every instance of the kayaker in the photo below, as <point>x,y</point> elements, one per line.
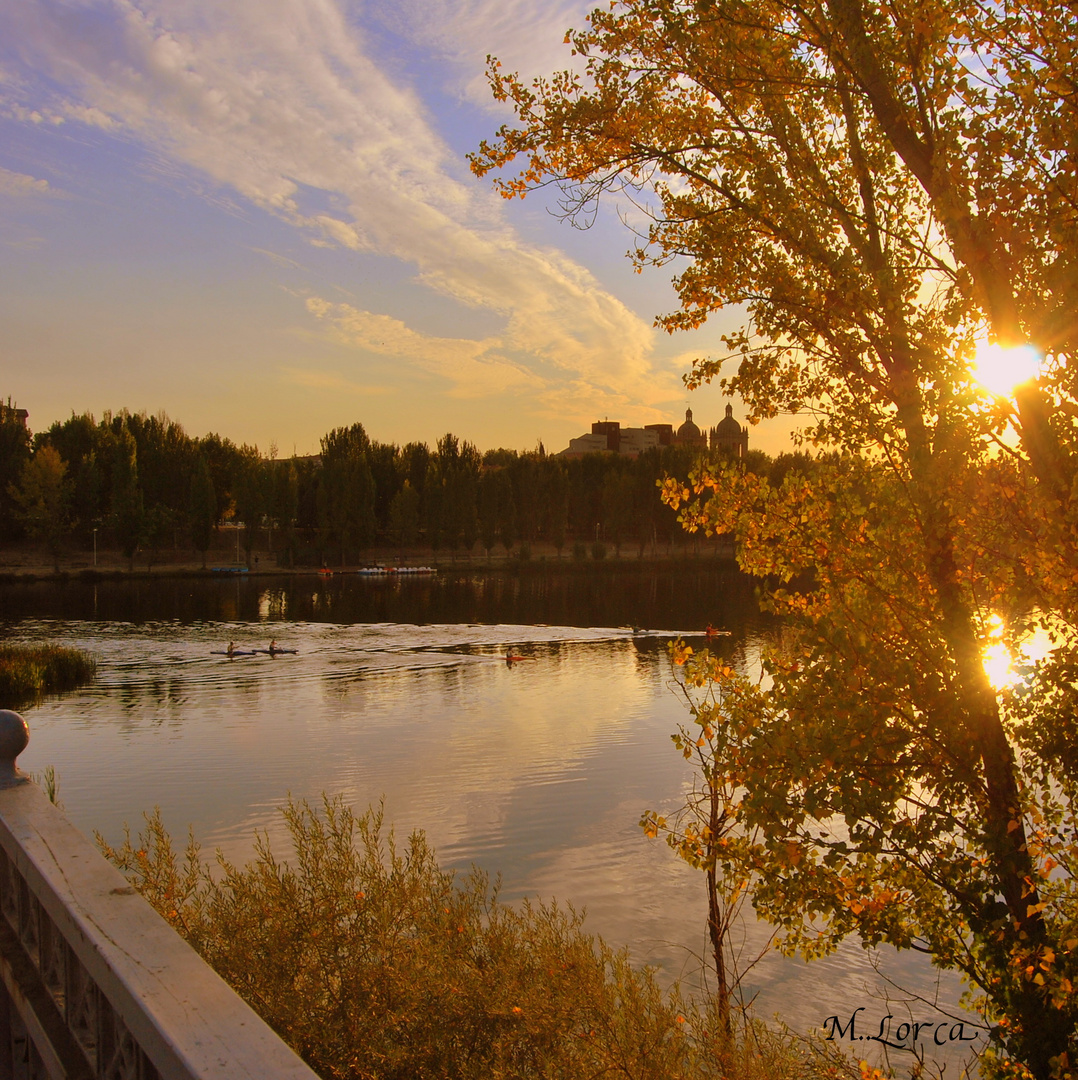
<point>231,650</point>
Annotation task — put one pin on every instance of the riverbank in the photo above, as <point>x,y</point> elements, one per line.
<point>26,563</point>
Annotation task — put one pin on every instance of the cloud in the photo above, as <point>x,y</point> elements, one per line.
<point>526,36</point>
<point>278,260</point>
<point>14,183</point>
<point>275,99</point>
<point>475,368</point>
<point>328,380</point>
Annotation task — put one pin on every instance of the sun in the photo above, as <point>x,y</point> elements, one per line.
<point>1002,666</point>
<point>999,369</point>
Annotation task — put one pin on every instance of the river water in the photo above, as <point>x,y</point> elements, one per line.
<point>399,691</point>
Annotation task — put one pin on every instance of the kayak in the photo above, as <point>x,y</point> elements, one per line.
<point>235,652</point>
<point>277,652</point>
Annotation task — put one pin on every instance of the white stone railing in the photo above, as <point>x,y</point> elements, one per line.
<point>94,984</point>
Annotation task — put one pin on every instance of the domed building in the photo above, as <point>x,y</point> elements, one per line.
<point>730,437</point>
<point>689,434</point>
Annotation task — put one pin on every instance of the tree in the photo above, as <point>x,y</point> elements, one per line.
<point>128,517</point>
<point>286,503</point>
<point>14,454</point>
<point>557,504</point>
<point>618,507</point>
<point>488,509</point>
<point>346,487</point>
<point>404,518</point>
<point>880,187</point>
<point>507,511</point>
<point>202,508</point>
<point>41,499</point>
<point>249,485</point>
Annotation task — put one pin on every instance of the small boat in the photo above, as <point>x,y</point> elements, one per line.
<point>382,571</point>
<point>277,652</point>
<point>235,652</point>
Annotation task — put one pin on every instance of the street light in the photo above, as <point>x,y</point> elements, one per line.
<point>95,547</point>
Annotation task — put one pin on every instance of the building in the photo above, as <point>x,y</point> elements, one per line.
<point>609,437</point>
<point>729,437</point>
<point>689,434</point>
<point>9,414</point>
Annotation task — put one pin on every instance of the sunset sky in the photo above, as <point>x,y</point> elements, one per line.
<point>256,215</point>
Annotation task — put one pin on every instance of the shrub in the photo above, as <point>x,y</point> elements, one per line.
<point>372,962</point>
<point>598,550</point>
<point>580,552</point>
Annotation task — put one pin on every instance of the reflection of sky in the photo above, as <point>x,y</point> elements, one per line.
<point>258,216</point>
<point>538,772</point>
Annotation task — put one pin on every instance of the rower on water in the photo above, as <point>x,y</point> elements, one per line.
<point>231,650</point>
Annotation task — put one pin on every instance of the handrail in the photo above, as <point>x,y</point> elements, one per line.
<point>94,984</point>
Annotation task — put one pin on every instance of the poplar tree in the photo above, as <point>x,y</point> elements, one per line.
<point>880,188</point>
<point>202,508</point>
<point>42,499</point>
<point>128,516</point>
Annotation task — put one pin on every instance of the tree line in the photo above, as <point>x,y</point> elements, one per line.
<point>136,482</point>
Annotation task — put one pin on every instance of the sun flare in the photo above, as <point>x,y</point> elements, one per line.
<point>1003,667</point>
<point>999,369</point>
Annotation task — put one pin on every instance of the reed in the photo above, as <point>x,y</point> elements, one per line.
<point>27,672</point>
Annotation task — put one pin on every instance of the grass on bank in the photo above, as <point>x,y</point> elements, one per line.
<point>373,962</point>
<point>29,671</point>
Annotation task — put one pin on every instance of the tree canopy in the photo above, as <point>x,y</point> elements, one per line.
<point>880,188</point>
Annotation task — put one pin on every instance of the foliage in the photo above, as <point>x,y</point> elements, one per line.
<point>404,516</point>
<point>250,483</point>
<point>346,488</point>
<point>202,508</point>
<point>706,830</point>
<point>42,497</point>
<point>371,962</point>
<point>128,509</point>
<point>881,187</point>
<point>14,454</point>
<point>461,496</point>
<point>29,671</point>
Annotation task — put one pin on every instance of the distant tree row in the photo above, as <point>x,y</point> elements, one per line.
<point>143,484</point>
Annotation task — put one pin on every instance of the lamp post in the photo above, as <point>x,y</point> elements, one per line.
<point>95,547</point>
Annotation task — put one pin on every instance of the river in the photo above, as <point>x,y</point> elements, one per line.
<point>399,691</point>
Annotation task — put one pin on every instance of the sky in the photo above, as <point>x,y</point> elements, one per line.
<point>257,216</point>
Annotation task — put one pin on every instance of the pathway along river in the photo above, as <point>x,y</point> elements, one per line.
<point>399,689</point>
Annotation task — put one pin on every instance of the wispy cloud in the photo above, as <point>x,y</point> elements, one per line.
<point>525,36</point>
<point>278,260</point>
<point>473,368</point>
<point>274,99</point>
<point>313,379</point>
<point>16,183</point>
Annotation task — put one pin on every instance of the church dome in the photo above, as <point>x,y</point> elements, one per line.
<point>689,432</point>
<point>728,427</point>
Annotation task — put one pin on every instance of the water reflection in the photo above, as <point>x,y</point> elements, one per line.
<point>570,596</point>
<point>537,771</point>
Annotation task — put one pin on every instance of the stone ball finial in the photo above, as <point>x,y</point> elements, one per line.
<point>14,737</point>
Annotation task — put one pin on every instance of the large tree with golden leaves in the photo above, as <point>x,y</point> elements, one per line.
<point>879,186</point>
